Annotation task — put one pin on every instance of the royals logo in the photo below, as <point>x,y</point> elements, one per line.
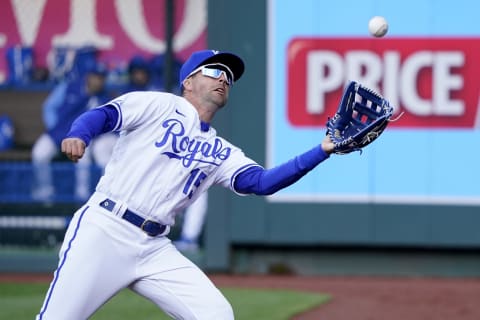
<point>189,149</point>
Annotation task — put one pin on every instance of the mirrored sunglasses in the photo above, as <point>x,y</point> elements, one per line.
<point>213,71</point>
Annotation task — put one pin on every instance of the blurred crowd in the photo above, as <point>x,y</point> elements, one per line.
<point>79,81</point>
<point>82,82</point>
<point>64,63</point>
<point>79,73</point>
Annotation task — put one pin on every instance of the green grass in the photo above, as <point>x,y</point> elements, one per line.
<point>23,301</point>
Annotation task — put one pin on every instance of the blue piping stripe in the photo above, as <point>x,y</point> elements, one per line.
<point>57,272</point>
<point>118,125</point>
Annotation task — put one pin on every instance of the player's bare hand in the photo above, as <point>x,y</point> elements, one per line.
<point>74,148</point>
<point>327,145</point>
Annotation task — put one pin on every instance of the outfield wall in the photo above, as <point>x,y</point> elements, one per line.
<point>432,195</point>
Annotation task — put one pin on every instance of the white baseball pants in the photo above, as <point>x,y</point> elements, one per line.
<point>102,254</point>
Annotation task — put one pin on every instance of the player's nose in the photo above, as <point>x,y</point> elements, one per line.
<point>224,78</point>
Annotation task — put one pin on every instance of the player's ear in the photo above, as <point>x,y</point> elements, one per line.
<point>187,84</point>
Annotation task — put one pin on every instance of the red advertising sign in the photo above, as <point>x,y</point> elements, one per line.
<point>120,29</point>
<point>433,81</point>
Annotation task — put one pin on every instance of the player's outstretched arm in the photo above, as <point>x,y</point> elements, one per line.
<point>260,181</point>
<point>74,148</point>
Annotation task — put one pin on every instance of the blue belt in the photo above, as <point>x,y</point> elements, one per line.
<point>151,228</point>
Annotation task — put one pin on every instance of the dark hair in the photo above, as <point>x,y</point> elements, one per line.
<point>138,62</point>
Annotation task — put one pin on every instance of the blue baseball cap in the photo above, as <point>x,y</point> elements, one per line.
<point>138,62</point>
<point>204,57</point>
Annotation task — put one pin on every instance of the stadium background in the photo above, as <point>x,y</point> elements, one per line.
<point>264,235</point>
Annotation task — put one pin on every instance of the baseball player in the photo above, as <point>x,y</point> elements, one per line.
<point>167,155</point>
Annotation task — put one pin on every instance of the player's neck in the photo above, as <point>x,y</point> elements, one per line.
<point>205,114</point>
<point>206,110</point>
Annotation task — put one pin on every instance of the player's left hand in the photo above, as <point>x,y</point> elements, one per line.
<point>327,145</point>
<point>361,117</point>
<point>74,148</point>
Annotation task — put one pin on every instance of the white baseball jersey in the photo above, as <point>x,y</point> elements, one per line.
<point>163,160</point>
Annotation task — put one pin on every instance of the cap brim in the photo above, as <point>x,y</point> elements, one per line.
<point>232,61</point>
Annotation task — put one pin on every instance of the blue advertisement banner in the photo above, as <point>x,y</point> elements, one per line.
<point>425,65</point>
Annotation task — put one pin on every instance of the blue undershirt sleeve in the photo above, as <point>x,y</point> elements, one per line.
<point>93,123</point>
<point>260,181</point>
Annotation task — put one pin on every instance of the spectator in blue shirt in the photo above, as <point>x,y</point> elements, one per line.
<point>66,102</point>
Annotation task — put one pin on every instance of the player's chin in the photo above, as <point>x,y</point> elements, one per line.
<point>220,105</point>
<point>220,98</point>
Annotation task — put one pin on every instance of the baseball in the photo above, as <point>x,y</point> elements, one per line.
<point>378,26</point>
